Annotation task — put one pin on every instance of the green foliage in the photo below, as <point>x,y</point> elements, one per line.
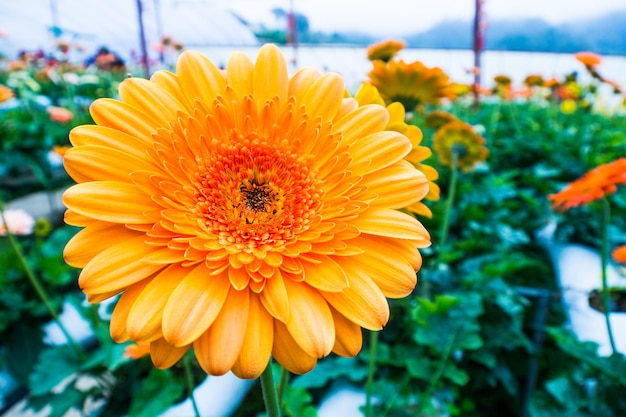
<point>158,391</point>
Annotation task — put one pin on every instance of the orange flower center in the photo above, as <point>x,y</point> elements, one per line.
<point>255,195</point>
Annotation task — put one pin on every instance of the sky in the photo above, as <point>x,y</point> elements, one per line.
<point>397,17</point>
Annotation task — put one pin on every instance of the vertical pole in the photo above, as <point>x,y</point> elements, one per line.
<point>142,41</point>
<point>479,40</point>
<point>292,31</point>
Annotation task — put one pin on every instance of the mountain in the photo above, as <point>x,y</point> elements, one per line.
<point>604,35</point>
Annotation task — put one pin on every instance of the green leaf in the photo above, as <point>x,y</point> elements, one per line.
<point>297,402</point>
<point>158,391</point>
<point>23,347</point>
<point>562,390</point>
<point>455,374</point>
<point>54,366</point>
<point>60,404</point>
<point>330,369</point>
<point>421,367</point>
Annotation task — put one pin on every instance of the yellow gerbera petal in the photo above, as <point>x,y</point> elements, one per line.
<point>145,317</point>
<point>362,302</point>
<point>239,73</point>
<point>310,322</point>
<point>399,186</point>
<point>123,117</point>
<point>301,82</point>
<point>111,201</point>
<point>274,297</point>
<point>395,277</point>
<point>324,97</point>
<point>169,82</point>
<point>109,138</point>
<point>288,353</point>
<point>218,348</point>
<point>96,163</point>
<point>199,77</point>
<point>349,337</point>
<point>270,75</point>
<point>193,306</point>
<point>157,102</point>
<point>117,267</point>
<point>362,122</point>
<point>92,240</point>
<point>117,327</point>
<point>258,340</point>
<point>391,223</point>
<point>324,274</point>
<point>164,355</point>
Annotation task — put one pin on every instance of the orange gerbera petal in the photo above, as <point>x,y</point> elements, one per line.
<point>288,353</point>
<point>258,341</point>
<point>310,322</point>
<point>349,335</point>
<point>193,306</point>
<point>218,348</point>
<point>619,254</point>
<point>164,355</point>
<point>593,185</point>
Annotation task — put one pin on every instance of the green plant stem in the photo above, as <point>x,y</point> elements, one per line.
<point>441,365</point>
<point>606,307</point>
<point>369,385</point>
<point>39,288</point>
<point>445,224</point>
<point>284,379</point>
<point>190,385</point>
<point>270,397</point>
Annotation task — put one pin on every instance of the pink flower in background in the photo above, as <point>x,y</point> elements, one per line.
<point>59,114</point>
<point>17,221</point>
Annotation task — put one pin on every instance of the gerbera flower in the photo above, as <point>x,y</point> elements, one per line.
<point>385,50</point>
<point>503,80</point>
<point>59,114</point>
<point>458,140</point>
<point>410,84</point>
<point>244,213</point>
<point>368,94</point>
<point>588,59</point>
<point>5,94</point>
<point>593,185</point>
<point>503,87</point>
<point>18,222</point>
<point>534,80</point>
<point>438,118</point>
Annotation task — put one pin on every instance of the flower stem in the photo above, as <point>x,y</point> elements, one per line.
<point>369,385</point>
<point>606,216</point>
<point>445,224</point>
<point>270,397</point>
<point>441,365</point>
<point>190,385</point>
<point>38,287</point>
